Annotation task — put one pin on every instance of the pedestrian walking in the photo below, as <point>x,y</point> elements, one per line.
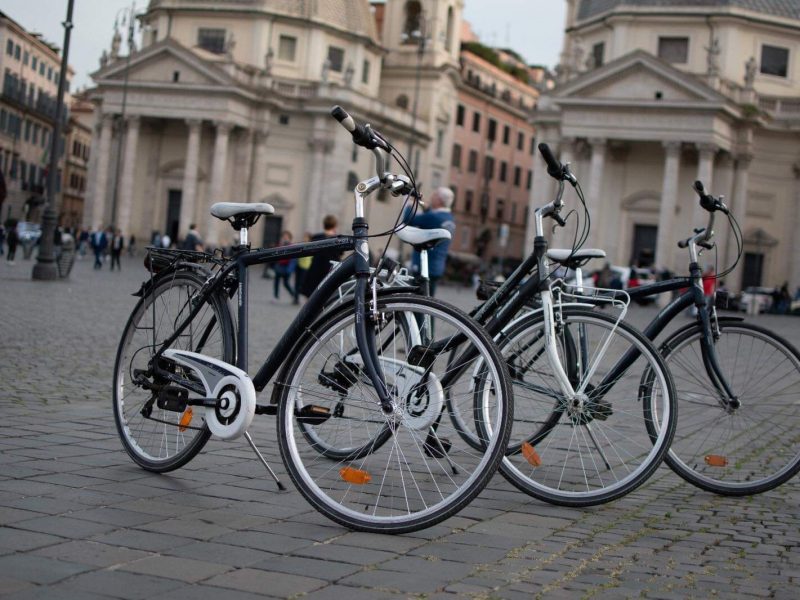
<point>301,270</point>
<point>2,238</point>
<point>193,241</point>
<point>132,246</point>
<point>321,263</point>
<point>12,240</point>
<point>99,241</point>
<point>284,269</point>
<point>117,244</point>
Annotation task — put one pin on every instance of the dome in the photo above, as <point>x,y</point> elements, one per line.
<point>779,8</point>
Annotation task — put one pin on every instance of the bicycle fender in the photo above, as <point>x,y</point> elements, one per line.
<point>679,332</point>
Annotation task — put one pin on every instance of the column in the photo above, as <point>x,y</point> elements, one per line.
<point>91,168</point>
<point>127,181</point>
<point>560,237</point>
<point>541,190</point>
<point>705,173</point>
<point>594,193</point>
<point>260,159</point>
<point>723,186</point>
<point>794,239</point>
<point>320,144</point>
<point>667,237</point>
<point>741,180</point>
<point>190,169</point>
<point>217,189</point>
<point>101,173</point>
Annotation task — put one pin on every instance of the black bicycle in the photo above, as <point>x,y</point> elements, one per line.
<point>357,390</point>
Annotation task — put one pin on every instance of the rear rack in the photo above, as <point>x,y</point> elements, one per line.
<point>158,259</point>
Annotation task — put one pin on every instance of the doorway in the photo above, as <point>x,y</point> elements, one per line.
<point>753,270</point>
<point>644,245</point>
<point>173,214</point>
<point>272,231</point>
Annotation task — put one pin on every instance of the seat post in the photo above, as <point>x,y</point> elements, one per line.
<point>423,263</point>
<point>243,236</point>
<point>579,279</point>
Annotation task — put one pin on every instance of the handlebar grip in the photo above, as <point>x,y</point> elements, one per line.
<point>557,218</point>
<point>683,243</point>
<point>554,168</point>
<point>340,114</point>
<point>698,187</point>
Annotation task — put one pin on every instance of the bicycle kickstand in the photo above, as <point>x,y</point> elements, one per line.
<point>250,441</point>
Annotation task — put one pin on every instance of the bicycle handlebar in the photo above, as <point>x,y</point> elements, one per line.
<point>363,135</point>
<point>707,201</point>
<point>554,167</point>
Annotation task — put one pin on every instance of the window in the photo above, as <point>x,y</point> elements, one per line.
<point>35,137</point>
<point>520,141</point>
<point>402,101</point>
<point>25,57</point>
<point>10,47</point>
<point>460,115</point>
<point>454,189</point>
<point>17,51</point>
<point>468,201</point>
<point>513,212</point>
<point>448,39</point>
<point>439,143</point>
<point>517,176</point>
<point>49,73</point>
<point>488,168</point>
<point>456,161</point>
<point>413,25</point>
<point>336,58</point>
<point>212,40</point>
<point>41,68</point>
<point>673,49</point>
<point>28,130</point>
<point>533,146</point>
<point>598,54</point>
<point>3,119</point>
<point>500,209</point>
<point>492,132</point>
<point>34,60</point>
<point>529,180</point>
<point>476,122</point>
<point>23,170</point>
<point>287,47</point>
<point>503,170</point>
<point>283,119</point>
<point>472,163</point>
<point>506,134</point>
<point>774,60</point>
<point>365,72</point>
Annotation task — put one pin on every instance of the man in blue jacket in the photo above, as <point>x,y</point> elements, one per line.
<point>438,216</point>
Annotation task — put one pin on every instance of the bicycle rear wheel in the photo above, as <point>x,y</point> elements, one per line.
<point>157,439</point>
<point>407,471</point>
<point>607,439</point>
<point>744,450</point>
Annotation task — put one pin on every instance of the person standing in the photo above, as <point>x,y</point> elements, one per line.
<point>321,263</point>
<point>301,270</point>
<point>132,246</point>
<point>439,216</point>
<point>2,238</point>
<point>12,240</point>
<point>99,243</point>
<point>284,269</point>
<point>193,241</point>
<point>117,244</point>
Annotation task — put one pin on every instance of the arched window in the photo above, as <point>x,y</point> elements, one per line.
<point>402,101</point>
<point>413,22</point>
<point>449,36</point>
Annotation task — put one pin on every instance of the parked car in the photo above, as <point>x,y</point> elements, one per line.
<point>29,233</point>
<point>755,300</point>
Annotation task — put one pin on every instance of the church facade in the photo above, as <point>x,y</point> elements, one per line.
<point>652,97</point>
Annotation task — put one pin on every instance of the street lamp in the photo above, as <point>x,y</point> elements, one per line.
<point>45,267</point>
<point>130,15</point>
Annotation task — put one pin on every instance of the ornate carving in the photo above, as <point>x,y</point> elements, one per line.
<point>672,148</point>
<point>712,58</point>
<point>750,68</point>
<point>707,149</point>
<point>223,127</point>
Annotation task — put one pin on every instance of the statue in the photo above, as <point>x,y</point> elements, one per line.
<point>116,42</point>
<point>268,61</point>
<point>230,44</point>
<point>712,60</point>
<point>750,68</point>
<point>326,69</point>
<point>577,54</point>
<point>348,74</point>
<point>103,59</point>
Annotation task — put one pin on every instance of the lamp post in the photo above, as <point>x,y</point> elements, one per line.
<point>130,14</point>
<point>45,267</point>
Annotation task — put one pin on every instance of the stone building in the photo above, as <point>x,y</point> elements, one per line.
<point>76,163</point>
<point>654,95</point>
<point>30,69</point>
<point>491,158</point>
<point>230,101</point>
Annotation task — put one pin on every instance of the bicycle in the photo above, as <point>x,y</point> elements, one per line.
<point>738,384</point>
<point>353,379</point>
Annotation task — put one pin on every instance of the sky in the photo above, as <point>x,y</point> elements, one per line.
<point>534,28</point>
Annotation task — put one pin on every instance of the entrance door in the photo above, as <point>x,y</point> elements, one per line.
<point>644,245</point>
<point>173,214</point>
<point>272,231</point>
<point>753,269</point>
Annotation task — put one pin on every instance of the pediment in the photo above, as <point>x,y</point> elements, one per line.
<point>159,63</point>
<point>638,76</point>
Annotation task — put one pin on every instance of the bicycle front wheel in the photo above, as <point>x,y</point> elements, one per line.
<point>156,438</point>
<point>405,471</point>
<point>744,450</point>
<point>606,439</point>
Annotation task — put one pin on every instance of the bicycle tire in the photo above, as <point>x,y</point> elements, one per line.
<point>149,440</point>
<point>757,442</point>
<point>437,476</point>
<point>603,447</point>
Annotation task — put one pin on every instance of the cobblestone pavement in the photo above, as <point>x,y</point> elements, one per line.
<point>79,520</point>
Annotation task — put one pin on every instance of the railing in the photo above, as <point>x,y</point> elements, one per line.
<point>780,107</point>
<point>44,106</point>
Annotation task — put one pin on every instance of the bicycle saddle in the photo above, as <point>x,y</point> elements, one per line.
<point>423,239</point>
<point>572,260</point>
<point>226,210</point>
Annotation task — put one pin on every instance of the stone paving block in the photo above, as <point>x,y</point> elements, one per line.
<point>338,592</point>
<point>417,564</point>
<point>55,593</point>
<point>119,584</point>
<point>280,585</point>
<point>141,540</point>
<point>346,554</point>
<point>172,567</point>
<point>225,554</point>
<point>460,552</point>
<point>398,582</point>
<point>39,569</point>
<point>188,528</point>
<point>65,526</point>
<point>205,592</point>
<point>12,515</point>
<point>21,540</point>
<point>91,553</point>
<point>115,516</point>
<point>9,585</point>
<point>263,541</point>
<point>298,565</point>
<point>44,505</point>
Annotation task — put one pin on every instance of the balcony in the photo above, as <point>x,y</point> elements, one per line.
<point>44,107</point>
<point>780,107</point>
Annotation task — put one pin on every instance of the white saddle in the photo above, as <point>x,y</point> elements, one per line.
<point>226,210</point>
<point>423,237</point>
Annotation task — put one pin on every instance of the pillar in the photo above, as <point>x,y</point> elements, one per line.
<point>705,173</point>
<point>213,237</point>
<point>794,239</point>
<point>595,190</point>
<point>101,173</point>
<point>128,170</point>
<point>741,180</point>
<point>190,169</point>
<point>667,236</point>
<point>541,190</point>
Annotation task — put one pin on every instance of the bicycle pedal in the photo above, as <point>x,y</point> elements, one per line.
<point>312,414</point>
<point>340,379</point>
<point>436,447</point>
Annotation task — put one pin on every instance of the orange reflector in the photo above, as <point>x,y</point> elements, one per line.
<point>355,476</point>
<point>715,460</point>
<point>531,455</point>
<point>186,418</point>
